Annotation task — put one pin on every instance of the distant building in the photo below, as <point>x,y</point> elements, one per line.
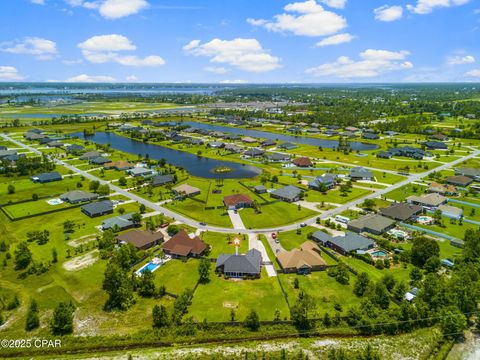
<point>100,160</point>
<point>360,173</point>
<point>141,239</point>
<point>435,145</point>
<point>121,165</point>
<point>428,201</point>
<point>302,162</point>
<point>442,189</point>
<point>267,143</point>
<point>459,180</point>
<point>186,190</point>
<point>372,223</point>
<point>78,196</point>
<point>160,180</point>
<point>472,173</point>
<point>121,222</point>
<point>401,211</point>
<point>260,189</point>
<point>302,261</point>
<point>238,265</point>
<point>47,177</point>
<point>182,246</point>
<point>439,137</point>
<point>254,153</point>
<point>276,157</point>
<point>75,148</point>
<point>344,244</point>
<point>287,146</point>
<point>287,193</point>
<point>451,212</point>
<point>140,171</point>
<point>216,144</point>
<point>90,155</point>
<point>98,208</point>
<point>329,180</point>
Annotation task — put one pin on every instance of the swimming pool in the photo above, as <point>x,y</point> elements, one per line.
<point>379,253</point>
<point>150,267</point>
<point>424,219</point>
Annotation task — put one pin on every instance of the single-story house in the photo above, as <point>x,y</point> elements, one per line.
<point>90,155</point>
<point>75,148</point>
<point>401,211</point>
<point>99,160</point>
<point>33,136</point>
<point>442,189</point>
<point>253,152</point>
<point>370,136</point>
<point>215,144</point>
<point>360,173</point>
<point>459,180</point>
<point>233,148</point>
<point>248,140</point>
<point>344,244</point>
<point>186,190</point>
<point>432,200</point>
<point>260,189</point>
<point>372,223</point>
<point>160,180</point>
<point>182,245</point>
<point>238,265</point>
<point>98,208</point>
<point>451,212</point>
<point>140,171</point>
<point>287,146</point>
<point>287,193</point>
<point>329,180</point>
<point>237,201</point>
<point>302,162</point>
<point>3,148</point>
<point>121,165</point>
<point>384,155</point>
<point>6,153</point>
<point>303,260</point>
<point>435,145</point>
<point>120,222</point>
<point>141,239</point>
<point>439,137</point>
<point>351,129</point>
<point>276,157</point>
<point>78,196</point>
<point>55,143</point>
<point>266,143</point>
<point>47,177</point>
<point>472,173</point>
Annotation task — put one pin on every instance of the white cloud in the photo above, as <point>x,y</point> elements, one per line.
<point>216,70</point>
<point>111,9</point>
<point>372,63</point>
<point>306,18</point>
<point>244,54</point>
<point>107,48</point>
<point>423,7</point>
<point>473,73</point>
<point>38,2</point>
<point>338,4</point>
<point>131,78</point>
<point>460,60</point>
<point>388,13</point>
<point>233,82</point>
<point>84,78</point>
<point>10,73</point>
<point>72,62</point>
<point>42,49</point>
<point>336,40</point>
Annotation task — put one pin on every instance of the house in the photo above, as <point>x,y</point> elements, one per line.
<point>328,180</point>
<point>287,193</point>
<point>98,208</point>
<point>260,189</point>
<point>435,145</point>
<point>384,155</point>
<point>401,211</point>
<point>276,157</point>
<point>55,143</point>
<point>412,294</point>
<point>75,148</point>
<point>459,180</point>
<point>390,133</point>
<point>266,143</point>
<point>186,190</point>
<point>442,189</point>
<point>31,136</point>
<point>451,212</point>
<point>428,201</point>
<point>472,173</point>
<point>6,153</point>
<point>233,148</point>
<point>78,196</point>
<point>141,239</point>
<point>3,148</point>
<point>215,144</point>
<point>120,222</point>
<point>439,137</point>
<point>237,201</point>
<point>160,180</point>
<point>248,140</point>
<point>302,162</point>
<point>90,155</point>
<point>181,245</point>
<point>254,152</point>
<point>344,244</point>
<point>99,160</point>
<point>351,128</point>
<point>287,146</point>
<point>302,261</point>
<point>140,171</point>
<point>47,177</point>
<point>360,173</point>
<point>372,223</point>
<point>238,265</point>
<point>407,151</point>
<point>370,136</point>
<point>121,165</point>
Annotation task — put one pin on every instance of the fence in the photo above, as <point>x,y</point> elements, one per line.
<point>428,231</point>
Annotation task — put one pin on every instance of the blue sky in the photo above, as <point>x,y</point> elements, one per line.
<point>258,41</point>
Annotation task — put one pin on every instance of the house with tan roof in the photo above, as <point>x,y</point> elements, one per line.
<point>186,190</point>
<point>141,239</point>
<point>303,260</point>
<point>181,245</point>
<point>120,165</point>
<point>302,162</point>
<point>442,189</point>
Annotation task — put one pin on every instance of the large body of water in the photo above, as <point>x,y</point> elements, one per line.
<point>196,166</point>
<point>328,144</point>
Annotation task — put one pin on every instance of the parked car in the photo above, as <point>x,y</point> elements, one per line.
<point>203,224</point>
<point>274,235</point>
<point>303,225</point>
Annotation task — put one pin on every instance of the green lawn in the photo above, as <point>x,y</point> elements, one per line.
<point>334,196</point>
<point>33,207</point>
<point>195,209</point>
<point>399,272</point>
<point>223,243</point>
<point>177,275</point>
<point>291,240</point>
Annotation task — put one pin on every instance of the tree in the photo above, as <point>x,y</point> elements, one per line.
<point>34,197</point>
<point>378,295</point>
<point>11,189</point>
<point>122,181</point>
<point>416,274</point>
<point>369,204</point>
<point>94,185</point>
<point>172,229</point>
<point>103,190</point>
<point>204,271</point>
<point>32,321</point>
<point>160,316</point>
<point>147,284</point>
<point>252,322</point>
<point>400,290</point>
<point>137,218</point>
<point>68,226</point>
<point>361,284</point>
<point>422,249</point>
<point>303,311</point>
<point>62,321</point>
<point>471,247</point>
<point>142,208</point>
<point>452,321</point>
<point>389,281</point>
<point>118,286</point>
<point>432,265</point>
<point>54,255</point>
<point>23,256</point>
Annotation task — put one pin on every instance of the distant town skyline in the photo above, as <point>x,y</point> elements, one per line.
<point>268,41</point>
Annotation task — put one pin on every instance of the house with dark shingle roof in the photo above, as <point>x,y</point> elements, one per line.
<point>141,239</point>
<point>90,155</point>
<point>238,266</point>
<point>435,145</point>
<point>287,193</point>
<point>121,222</point>
<point>98,208</point>
<point>401,211</point>
<point>472,173</point>
<point>360,173</point>
<point>99,160</point>
<point>459,180</point>
<point>344,244</point>
<point>329,180</point>
<point>47,177</point>
<point>372,223</point>
<point>302,162</point>
<point>260,189</point>
<point>160,180</point>
<point>75,148</point>
<point>78,196</point>
<point>254,152</point>
<point>287,146</point>
<point>276,157</point>
<point>181,245</point>
<point>428,201</point>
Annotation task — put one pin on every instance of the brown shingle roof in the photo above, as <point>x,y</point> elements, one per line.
<point>233,200</point>
<point>459,180</point>
<point>182,245</point>
<point>302,161</point>
<point>140,238</point>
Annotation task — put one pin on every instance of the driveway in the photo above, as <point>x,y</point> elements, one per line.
<point>254,243</point>
<point>236,220</point>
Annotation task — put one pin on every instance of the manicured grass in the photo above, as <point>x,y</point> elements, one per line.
<point>276,214</point>
<point>195,209</point>
<point>399,271</point>
<point>33,207</point>
<point>291,240</point>
<point>177,275</point>
<point>334,196</point>
<point>214,301</point>
<point>406,191</point>
<point>223,243</point>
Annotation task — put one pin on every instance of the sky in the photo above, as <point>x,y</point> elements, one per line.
<point>240,41</point>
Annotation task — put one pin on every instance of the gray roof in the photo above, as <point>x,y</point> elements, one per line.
<point>278,157</point>
<point>5,153</point>
<point>90,155</point>
<point>327,179</point>
<point>352,242</point>
<point>254,152</point>
<point>122,221</point>
<point>75,147</point>
<point>100,160</point>
<point>162,179</point>
<point>98,207</point>
<point>78,195</point>
<point>470,172</point>
<point>139,171</point>
<point>360,172</point>
<point>401,211</point>
<point>372,222</point>
<point>249,263</point>
<point>51,176</point>
<point>287,146</point>
<point>260,187</point>
<point>321,236</point>
<point>287,192</point>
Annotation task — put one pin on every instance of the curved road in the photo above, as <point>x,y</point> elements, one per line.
<point>194,223</point>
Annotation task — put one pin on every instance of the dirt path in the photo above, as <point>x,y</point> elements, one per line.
<point>81,262</point>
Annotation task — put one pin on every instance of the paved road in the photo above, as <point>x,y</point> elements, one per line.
<point>193,223</point>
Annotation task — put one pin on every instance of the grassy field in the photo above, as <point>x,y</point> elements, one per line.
<point>33,207</point>
<point>223,243</point>
<point>291,240</point>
